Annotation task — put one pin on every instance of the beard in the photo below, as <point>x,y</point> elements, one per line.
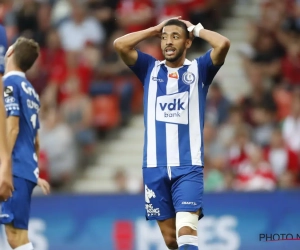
<point>176,57</point>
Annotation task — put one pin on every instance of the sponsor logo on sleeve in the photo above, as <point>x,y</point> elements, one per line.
<point>8,91</point>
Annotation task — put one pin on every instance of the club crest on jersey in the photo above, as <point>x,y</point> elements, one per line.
<point>173,75</point>
<point>188,78</point>
<point>8,91</point>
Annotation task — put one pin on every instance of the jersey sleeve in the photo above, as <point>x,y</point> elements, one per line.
<point>11,98</point>
<point>143,63</point>
<point>207,70</point>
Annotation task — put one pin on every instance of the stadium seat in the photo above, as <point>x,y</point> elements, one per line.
<point>106,112</point>
<point>137,100</point>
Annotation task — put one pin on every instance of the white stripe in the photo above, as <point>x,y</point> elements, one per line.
<point>151,126</point>
<point>169,172</point>
<point>194,118</point>
<point>172,129</point>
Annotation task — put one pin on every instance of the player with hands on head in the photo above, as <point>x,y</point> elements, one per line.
<point>6,183</point>
<point>174,104</point>
<point>22,124</point>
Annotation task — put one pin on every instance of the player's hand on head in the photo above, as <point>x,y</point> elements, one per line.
<point>188,25</point>
<point>6,181</point>
<point>44,185</point>
<point>160,26</point>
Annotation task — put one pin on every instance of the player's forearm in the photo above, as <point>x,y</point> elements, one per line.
<point>216,40</point>
<point>129,41</point>
<point>4,155</point>
<point>4,152</point>
<point>12,127</point>
<point>12,135</point>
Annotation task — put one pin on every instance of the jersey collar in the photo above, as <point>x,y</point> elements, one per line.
<point>186,62</point>
<point>14,73</point>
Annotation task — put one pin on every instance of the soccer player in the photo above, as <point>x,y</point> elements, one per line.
<point>6,186</point>
<point>174,103</point>
<point>22,123</point>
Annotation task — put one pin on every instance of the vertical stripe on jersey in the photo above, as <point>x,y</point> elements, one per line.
<point>172,129</point>
<point>151,128</point>
<point>183,130</point>
<point>161,146</point>
<point>194,117</point>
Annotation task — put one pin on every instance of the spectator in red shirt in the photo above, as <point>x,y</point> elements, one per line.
<point>56,91</point>
<point>52,56</point>
<point>44,165</point>
<point>255,174</point>
<point>291,62</point>
<point>238,150</point>
<point>172,8</point>
<point>135,15</point>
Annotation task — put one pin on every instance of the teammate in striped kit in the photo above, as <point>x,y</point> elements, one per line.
<point>174,104</point>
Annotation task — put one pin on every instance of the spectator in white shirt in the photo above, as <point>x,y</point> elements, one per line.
<point>57,141</point>
<point>80,29</point>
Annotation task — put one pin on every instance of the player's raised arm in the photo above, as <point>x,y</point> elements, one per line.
<point>125,45</point>
<point>4,155</point>
<point>220,44</point>
<point>6,186</point>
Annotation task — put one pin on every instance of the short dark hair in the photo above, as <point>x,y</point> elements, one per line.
<point>26,51</point>
<point>180,24</point>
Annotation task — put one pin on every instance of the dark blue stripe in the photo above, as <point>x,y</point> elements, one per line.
<point>161,142</point>
<point>184,130</point>
<point>202,103</point>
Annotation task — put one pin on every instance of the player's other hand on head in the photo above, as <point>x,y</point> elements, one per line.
<point>6,181</point>
<point>44,185</point>
<point>189,24</point>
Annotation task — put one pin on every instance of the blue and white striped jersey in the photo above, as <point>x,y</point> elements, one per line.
<point>174,106</point>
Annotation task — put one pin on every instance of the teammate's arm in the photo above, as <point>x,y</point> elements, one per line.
<point>12,125</point>
<point>6,186</point>
<point>219,43</point>
<point>5,157</point>
<point>125,45</point>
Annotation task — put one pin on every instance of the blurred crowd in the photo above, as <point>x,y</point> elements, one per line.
<point>84,87</point>
<point>254,143</point>
<point>86,91</point>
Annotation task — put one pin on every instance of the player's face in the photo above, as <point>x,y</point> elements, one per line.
<point>174,42</point>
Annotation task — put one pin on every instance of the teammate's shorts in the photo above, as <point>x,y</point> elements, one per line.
<point>169,190</point>
<point>16,210</point>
